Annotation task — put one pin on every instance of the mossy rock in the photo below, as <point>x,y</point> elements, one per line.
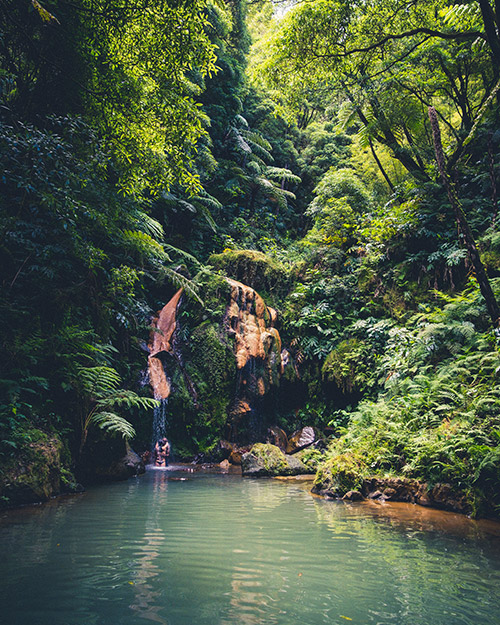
<point>265,459</point>
<point>348,365</point>
<point>37,472</point>
<point>338,475</point>
<point>311,459</point>
<point>255,269</point>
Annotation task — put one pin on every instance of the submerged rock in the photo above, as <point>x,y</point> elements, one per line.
<point>268,460</point>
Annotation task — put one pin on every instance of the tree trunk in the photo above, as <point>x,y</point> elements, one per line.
<point>465,232</point>
<point>380,166</point>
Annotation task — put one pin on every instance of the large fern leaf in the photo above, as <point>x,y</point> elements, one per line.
<point>113,423</point>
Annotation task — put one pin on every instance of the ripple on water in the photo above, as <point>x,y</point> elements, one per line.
<point>220,550</point>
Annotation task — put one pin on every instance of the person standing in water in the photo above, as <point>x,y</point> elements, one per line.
<point>162,451</point>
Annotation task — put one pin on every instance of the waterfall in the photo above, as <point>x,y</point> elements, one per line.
<point>159,422</point>
<point>160,344</point>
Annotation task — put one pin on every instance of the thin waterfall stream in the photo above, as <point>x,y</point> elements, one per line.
<point>159,422</point>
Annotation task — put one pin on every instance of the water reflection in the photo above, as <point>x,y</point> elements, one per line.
<point>221,550</point>
<point>146,603</point>
<point>422,554</point>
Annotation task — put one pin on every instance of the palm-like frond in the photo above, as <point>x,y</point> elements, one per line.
<point>180,281</point>
<point>126,399</point>
<point>113,423</point>
<point>98,381</point>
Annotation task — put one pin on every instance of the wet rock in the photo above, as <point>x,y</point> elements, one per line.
<point>443,496</point>
<point>224,464</point>
<point>391,488</point>
<point>127,466</point>
<point>449,498</point>
<point>352,495</point>
<point>277,436</point>
<point>301,439</point>
<point>390,493</point>
<point>268,460</point>
<point>36,473</point>
<point>225,447</point>
<point>161,343</point>
<point>235,458</point>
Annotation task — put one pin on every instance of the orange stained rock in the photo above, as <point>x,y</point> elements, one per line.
<point>273,314</point>
<point>250,320</point>
<point>165,325</point>
<point>158,379</point>
<point>160,341</point>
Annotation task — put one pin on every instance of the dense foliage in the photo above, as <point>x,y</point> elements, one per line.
<point>147,145</point>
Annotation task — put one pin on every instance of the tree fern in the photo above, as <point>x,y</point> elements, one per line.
<point>113,423</point>
<point>99,387</point>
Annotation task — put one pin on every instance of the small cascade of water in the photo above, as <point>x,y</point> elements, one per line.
<point>159,422</point>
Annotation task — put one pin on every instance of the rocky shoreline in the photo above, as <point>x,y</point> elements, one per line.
<point>441,496</point>
<point>26,483</point>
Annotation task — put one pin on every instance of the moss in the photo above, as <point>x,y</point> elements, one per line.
<point>311,458</point>
<point>35,473</point>
<point>255,269</point>
<point>348,365</point>
<point>340,474</point>
<point>272,457</point>
<point>202,389</point>
<point>216,292</point>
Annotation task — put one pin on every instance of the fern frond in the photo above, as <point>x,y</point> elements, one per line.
<point>150,226</point>
<point>113,423</point>
<point>98,381</point>
<point>180,281</point>
<point>280,173</point>
<point>144,244</point>
<point>127,399</point>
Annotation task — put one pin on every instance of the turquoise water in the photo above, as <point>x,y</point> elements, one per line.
<point>221,550</point>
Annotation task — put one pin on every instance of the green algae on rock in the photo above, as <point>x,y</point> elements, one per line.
<point>264,459</point>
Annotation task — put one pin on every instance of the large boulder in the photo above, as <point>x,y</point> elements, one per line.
<point>338,475</point>
<point>305,437</point>
<point>264,459</point>
<point>128,465</point>
<point>37,472</point>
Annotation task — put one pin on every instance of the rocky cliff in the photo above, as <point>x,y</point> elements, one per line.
<point>216,369</point>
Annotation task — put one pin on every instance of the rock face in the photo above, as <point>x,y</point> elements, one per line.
<point>37,473</point>
<point>257,349</point>
<point>161,343</point>
<point>268,460</point>
<point>224,372</point>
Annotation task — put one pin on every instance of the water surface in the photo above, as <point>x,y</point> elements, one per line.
<point>221,550</point>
